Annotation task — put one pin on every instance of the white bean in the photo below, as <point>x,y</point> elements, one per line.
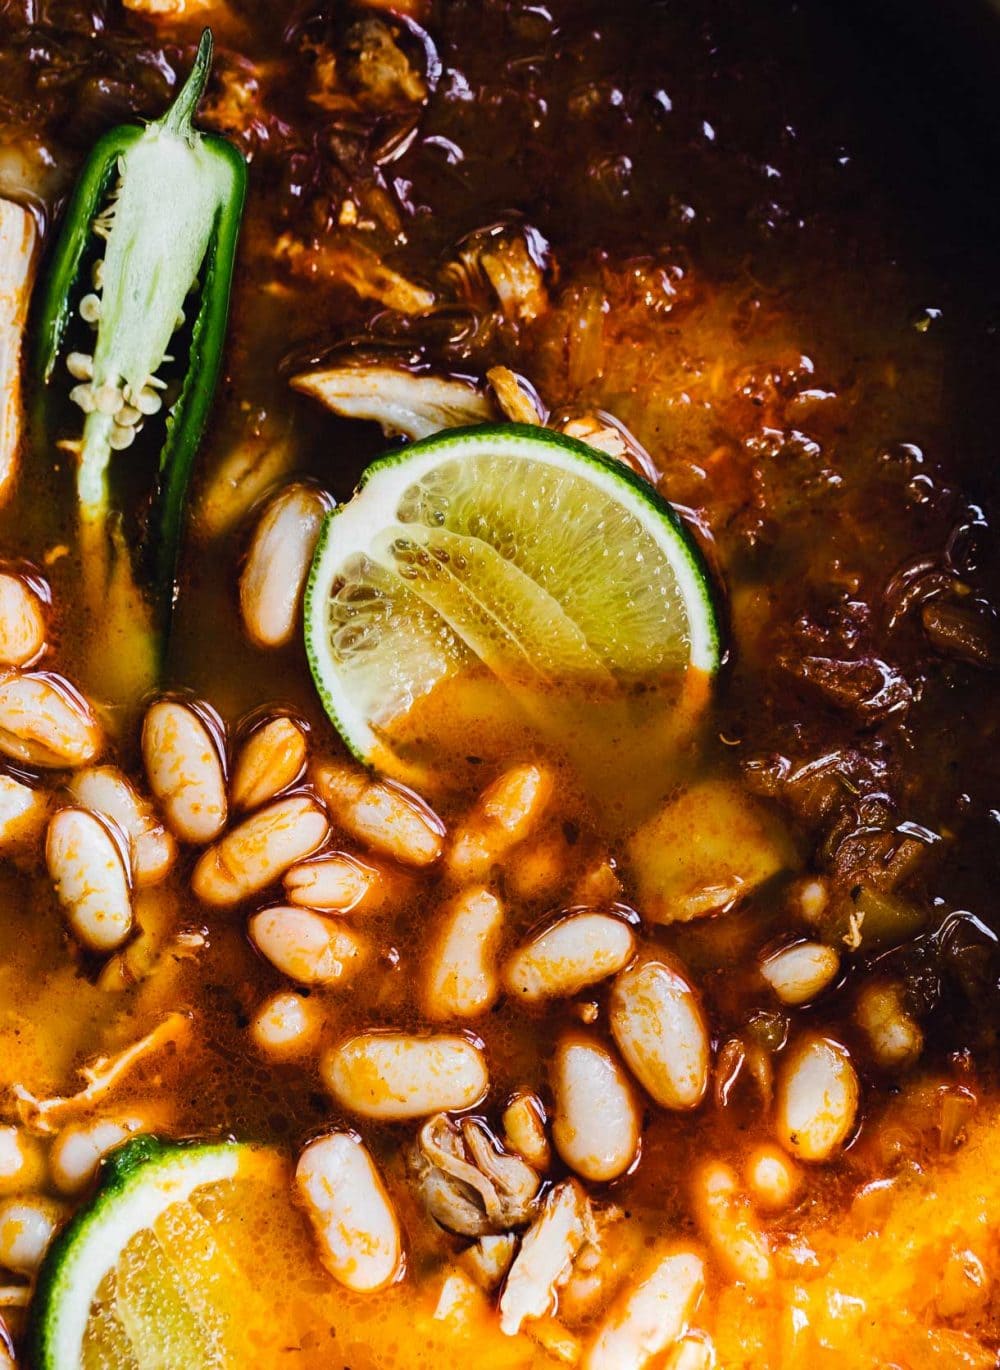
<point>658,1024</point>
<point>272,758</point>
<point>23,812</point>
<point>577,951</point>
<point>462,980</point>
<point>259,851</point>
<point>337,883</point>
<point>22,622</point>
<point>727,1222</point>
<point>105,790</point>
<point>79,1149</point>
<point>285,1025</point>
<point>772,1179</point>
<point>90,880</point>
<point>798,973</point>
<point>651,1317</point>
<point>398,1075</point>
<point>45,722</point>
<point>185,771</point>
<point>596,1123</point>
<point>387,818</point>
<point>26,1228</point>
<point>308,948</point>
<point>817,1099</point>
<point>505,813</point>
<point>278,562</point>
<point>21,1165</point>
<point>352,1215</point>
<point>524,1130</point>
<point>894,1035</point>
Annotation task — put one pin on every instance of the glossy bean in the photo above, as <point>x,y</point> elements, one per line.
<point>185,771</point>
<point>388,819</point>
<point>259,850</point>
<point>337,883</point>
<point>90,880</point>
<point>577,951</point>
<point>79,1149</point>
<point>277,564</point>
<point>462,979</point>
<point>105,790</point>
<point>724,1215</point>
<point>352,1216</point>
<point>505,813</point>
<point>23,812</point>
<point>596,1123</point>
<point>798,973</point>
<point>45,722</point>
<point>398,1075</point>
<point>658,1024</point>
<point>22,622</point>
<point>285,1025</point>
<point>26,1228</point>
<point>272,758</point>
<point>817,1098</point>
<point>651,1316</point>
<point>305,946</point>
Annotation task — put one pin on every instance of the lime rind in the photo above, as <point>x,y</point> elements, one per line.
<point>433,632</point>
<point>139,1183</point>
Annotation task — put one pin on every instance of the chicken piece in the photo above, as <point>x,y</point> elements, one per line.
<point>47,1116</point>
<point>602,431</point>
<point>545,1260</point>
<point>406,403</point>
<point>469,1184</point>
<point>344,262</point>
<point>503,268</point>
<point>515,396</point>
<point>379,68</point>
<point>18,239</point>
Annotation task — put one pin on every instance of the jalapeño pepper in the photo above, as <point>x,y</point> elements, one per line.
<point>167,200</point>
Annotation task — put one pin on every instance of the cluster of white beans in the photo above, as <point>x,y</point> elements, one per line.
<point>261,813</point>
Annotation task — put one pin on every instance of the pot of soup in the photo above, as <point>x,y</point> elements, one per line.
<point>499,776</point>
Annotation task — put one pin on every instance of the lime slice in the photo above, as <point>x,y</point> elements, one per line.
<point>164,1267</point>
<point>508,549</point>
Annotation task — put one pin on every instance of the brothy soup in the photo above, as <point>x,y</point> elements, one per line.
<point>497,690</point>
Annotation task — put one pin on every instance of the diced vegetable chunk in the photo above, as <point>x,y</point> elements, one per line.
<point>704,850</point>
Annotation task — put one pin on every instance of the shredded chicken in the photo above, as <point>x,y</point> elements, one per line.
<point>18,238</point>
<point>379,66</point>
<point>349,263</point>
<point>469,1184</point>
<point>503,266</point>
<point>405,403</point>
<point>603,432</point>
<point>47,1116</point>
<point>515,396</point>
<point>488,1259</point>
<point>545,1260</point>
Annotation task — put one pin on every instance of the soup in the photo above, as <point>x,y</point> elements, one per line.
<point>629,1019</point>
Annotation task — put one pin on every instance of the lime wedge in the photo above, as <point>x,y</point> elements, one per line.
<point>164,1267</point>
<point>506,549</point>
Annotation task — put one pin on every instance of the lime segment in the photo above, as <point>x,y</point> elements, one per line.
<point>508,548</point>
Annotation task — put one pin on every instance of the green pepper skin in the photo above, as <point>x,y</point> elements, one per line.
<point>186,422</point>
<point>187,419</point>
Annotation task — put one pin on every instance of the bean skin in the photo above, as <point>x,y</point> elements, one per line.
<point>396,1075</point>
<point>352,1216</point>
<point>185,771</point>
